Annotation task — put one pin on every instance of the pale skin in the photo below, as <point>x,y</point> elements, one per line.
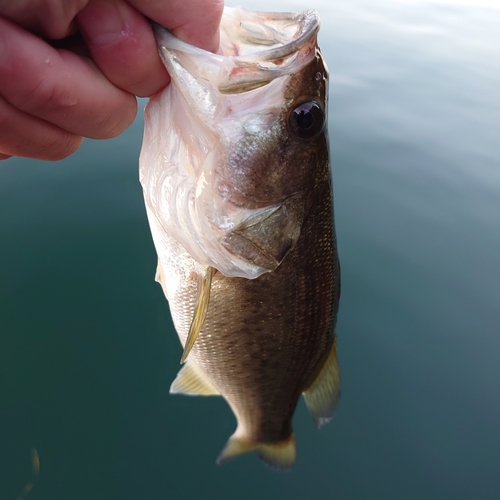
<point>73,68</point>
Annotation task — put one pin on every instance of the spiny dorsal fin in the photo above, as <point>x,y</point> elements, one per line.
<point>279,455</point>
<point>323,394</point>
<point>190,380</point>
<point>200,311</point>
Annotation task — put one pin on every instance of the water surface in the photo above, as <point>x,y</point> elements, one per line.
<point>87,345</point>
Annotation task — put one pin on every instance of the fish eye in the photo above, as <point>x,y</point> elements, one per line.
<point>306,120</point>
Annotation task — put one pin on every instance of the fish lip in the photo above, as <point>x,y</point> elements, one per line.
<point>245,72</point>
<point>309,25</point>
<point>308,19</point>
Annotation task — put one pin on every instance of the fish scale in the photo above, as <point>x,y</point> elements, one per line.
<point>259,329</point>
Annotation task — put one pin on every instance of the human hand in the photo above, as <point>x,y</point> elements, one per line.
<point>72,68</point>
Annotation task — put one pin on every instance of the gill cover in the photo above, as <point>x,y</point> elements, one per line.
<point>215,105</point>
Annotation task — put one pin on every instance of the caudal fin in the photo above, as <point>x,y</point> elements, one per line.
<point>279,455</point>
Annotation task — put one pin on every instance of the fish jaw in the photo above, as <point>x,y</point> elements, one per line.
<point>199,179</point>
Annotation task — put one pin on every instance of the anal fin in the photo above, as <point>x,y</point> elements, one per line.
<point>191,381</point>
<point>322,396</point>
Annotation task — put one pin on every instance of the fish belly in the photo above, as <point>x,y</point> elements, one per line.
<point>262,340</point>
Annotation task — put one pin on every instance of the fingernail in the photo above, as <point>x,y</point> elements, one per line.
<point>103,23</point>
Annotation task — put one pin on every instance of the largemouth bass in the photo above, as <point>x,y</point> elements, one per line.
<point>236,178</point>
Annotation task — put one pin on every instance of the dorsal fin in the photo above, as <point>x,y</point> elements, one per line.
<point>200,311</point>
<point>323,394</point>
<point>191,381</point>
<point>279,455</point>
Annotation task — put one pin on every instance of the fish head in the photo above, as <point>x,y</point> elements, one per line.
<point>270,150</point>
<point>234,147</point>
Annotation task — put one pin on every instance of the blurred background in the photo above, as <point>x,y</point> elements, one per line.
<point>88,350</point>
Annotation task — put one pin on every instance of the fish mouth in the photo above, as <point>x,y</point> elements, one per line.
<point>265,46</point>
<point>267,237</point>
<point>269,45</point>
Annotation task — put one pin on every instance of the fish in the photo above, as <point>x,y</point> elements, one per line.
<point>238,192</point>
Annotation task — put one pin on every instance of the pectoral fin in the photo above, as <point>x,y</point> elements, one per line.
<point>191,381</point>
<point>200,311</point>
<point>323,394</point>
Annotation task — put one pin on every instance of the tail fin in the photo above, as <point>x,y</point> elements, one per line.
<point>279,455</point>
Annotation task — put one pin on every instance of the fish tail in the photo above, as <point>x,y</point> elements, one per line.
<point>280,455</point>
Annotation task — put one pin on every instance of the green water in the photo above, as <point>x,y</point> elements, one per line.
<point>87,348</point>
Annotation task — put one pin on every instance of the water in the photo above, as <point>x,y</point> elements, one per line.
<point>88,350</point>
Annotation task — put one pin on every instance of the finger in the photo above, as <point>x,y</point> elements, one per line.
<point>194,21</point>
<point>25,135</point>
<point>122,45</point>
<point>60,87</point>
<point>52,19</point>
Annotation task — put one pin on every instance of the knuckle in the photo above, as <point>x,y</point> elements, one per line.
<point>114,122</point>
<point>56,19</point>
<point>47,96</point>
<point>60,148</point>
<point>24,135</point>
